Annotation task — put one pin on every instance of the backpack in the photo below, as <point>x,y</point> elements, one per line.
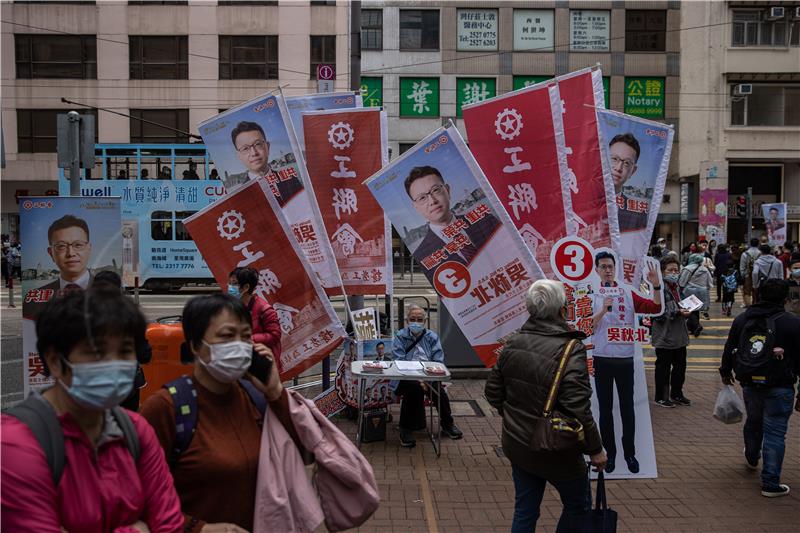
<point>41,418</point>
<point>764,277</point>
<point>754,352</point>
<point>730,282</point>
<point>184,402</point>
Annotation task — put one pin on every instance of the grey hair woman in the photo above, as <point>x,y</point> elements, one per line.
<point>517,387</point>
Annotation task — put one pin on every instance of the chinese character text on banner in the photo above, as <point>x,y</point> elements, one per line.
<point>594,216</point>
<point>518,141</point>
<point>637,152</point>
<point>255,140</point>
<point>345,148</point>
<point>297,105</point>
<point>442,206</point>
<point>67,241</point>
<point>247,229</point>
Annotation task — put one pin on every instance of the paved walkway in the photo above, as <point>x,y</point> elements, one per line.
<point>702,482</point>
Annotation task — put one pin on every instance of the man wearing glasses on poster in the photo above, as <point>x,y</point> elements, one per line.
<point>70,249</point>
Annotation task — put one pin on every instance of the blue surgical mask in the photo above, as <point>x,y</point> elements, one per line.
<point>796,273</point>
<point>415,327</point>
<point>101,385</point>
<point>233,290</point>
<point>671,278</point>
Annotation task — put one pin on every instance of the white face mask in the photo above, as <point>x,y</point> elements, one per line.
<point>229,360</point>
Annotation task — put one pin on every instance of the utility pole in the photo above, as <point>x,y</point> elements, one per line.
<point>749,214</point>
<point>74,120</point>
<point>75,146</point>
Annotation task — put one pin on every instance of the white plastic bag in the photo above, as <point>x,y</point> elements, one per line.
<point>729,408</point>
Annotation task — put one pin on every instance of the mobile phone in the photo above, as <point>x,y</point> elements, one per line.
<point>260,367</point>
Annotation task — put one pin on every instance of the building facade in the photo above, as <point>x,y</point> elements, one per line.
<point>175,63</point>
<point>740,104</point>
<point>423,60</point>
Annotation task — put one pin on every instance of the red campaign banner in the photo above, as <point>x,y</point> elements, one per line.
<point>515,138</point>
<point>343,148</point>
<point>581,92</point>
<point>246,229</point>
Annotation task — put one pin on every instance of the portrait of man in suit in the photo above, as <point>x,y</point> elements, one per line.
<point>430,195</point>
<point>70,249</point>
<point>252,149</point>
<point>624,153</point>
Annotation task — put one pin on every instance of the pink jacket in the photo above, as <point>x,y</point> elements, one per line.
<point>98,492</point>
<point>286,500</point>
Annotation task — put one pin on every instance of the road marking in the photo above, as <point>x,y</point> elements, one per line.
<point>690,360</point>
<point>694,347</point>
<point>426,494</point>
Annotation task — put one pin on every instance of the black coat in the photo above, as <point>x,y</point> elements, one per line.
<point>518,386</point>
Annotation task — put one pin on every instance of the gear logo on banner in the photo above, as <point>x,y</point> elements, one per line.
<point>508,124</point>
<point>230,225</point>
<point>341,135</point>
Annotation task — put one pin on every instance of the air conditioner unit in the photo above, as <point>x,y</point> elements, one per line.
<point>743,89</point>
<point>774,13</point>
<point>796,14</point>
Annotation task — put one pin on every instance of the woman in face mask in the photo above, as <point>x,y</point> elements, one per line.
<point>266,326</point>
<point>793,302</point>
<point>670,339</point>
<point>696,279</point>
<point>215,475</point>
<point>104,470</point>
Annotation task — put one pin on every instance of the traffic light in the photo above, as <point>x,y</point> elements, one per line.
<point>741,206</point>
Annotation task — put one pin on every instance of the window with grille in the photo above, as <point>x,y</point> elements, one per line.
<point>159,57</point>
<point>151,132</point>
<point>56,56</point>
<point>371,29</point>
<point>770,104</point>
<point>323,52</point>
<point>645,30</point>
<point>248,57</point>
<point>36,129</point>
<point>419,29</point>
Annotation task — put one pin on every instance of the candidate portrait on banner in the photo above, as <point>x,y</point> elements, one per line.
<point>431,197</point>
<point>775,223</point>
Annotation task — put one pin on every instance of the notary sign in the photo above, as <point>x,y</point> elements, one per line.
<point>477,29</point>
<point>644,97</point>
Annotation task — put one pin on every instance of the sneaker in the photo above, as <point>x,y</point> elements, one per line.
<point>665,403</point>
<point>452,431</point>
<point>633,465</point>
<point>777,492</point>
<point>681,400</point>
<point>747,462</point>
<point>705,315</point>
<point>406,440</point>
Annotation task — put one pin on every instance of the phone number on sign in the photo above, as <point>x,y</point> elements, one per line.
<point>173,266</point>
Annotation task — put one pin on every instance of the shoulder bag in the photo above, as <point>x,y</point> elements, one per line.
<point>553,431</point>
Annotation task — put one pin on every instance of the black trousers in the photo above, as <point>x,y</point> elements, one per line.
<point>609,371</point>
<point>412,408</point>
<point>670,372</point>
<point>693,322</point>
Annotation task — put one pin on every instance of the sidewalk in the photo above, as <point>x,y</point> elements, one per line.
<point>702,486</point>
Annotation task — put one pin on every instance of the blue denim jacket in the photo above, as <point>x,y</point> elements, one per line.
<point>430,345</point>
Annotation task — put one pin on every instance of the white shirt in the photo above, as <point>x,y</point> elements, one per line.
<point>82,282</point>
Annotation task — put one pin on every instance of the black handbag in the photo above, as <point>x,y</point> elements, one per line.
<point>554,431</point>
<point>601,519</point>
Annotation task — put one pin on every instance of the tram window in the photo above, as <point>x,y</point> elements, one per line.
<point>119,168</point>
<point>187,169</point>
<point>149,167</point>
<point>181,233</point>
<point>161,226</point>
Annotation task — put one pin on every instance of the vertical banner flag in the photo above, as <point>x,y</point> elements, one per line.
<point>67,241</point>
<point>448,216</point>
<point>297,105</point>
<point>344,148</point>
<point>608,310</point>
<point>247,229</point>
<point>255,140</point>
<point>713,215</point>
<point>637,151</point>
<point>365,323</point>
<point>518,140</point>
<point>775,221</point>
<point>593,214</point>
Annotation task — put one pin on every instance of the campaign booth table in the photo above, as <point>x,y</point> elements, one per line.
<point>401,370</point>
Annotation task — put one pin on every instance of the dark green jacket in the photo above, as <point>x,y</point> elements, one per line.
<point>518,385</point>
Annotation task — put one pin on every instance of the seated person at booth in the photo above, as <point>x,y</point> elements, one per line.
<point>415,343</point>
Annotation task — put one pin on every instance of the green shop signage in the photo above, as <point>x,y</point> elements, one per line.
<point>372,92</point>
<point>419,97</point>
<point>524,81</point>
<point>644,97</point>
<point>474,90</point>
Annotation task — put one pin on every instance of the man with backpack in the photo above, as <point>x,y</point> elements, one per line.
<point>767,266</point>
<point>746,262</point>
<point>763,352</point>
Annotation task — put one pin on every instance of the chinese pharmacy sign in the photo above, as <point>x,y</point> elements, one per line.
<point>474,90</point>
<point>419,97</point>
<point>644,97</point>
<point>372,92</point>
